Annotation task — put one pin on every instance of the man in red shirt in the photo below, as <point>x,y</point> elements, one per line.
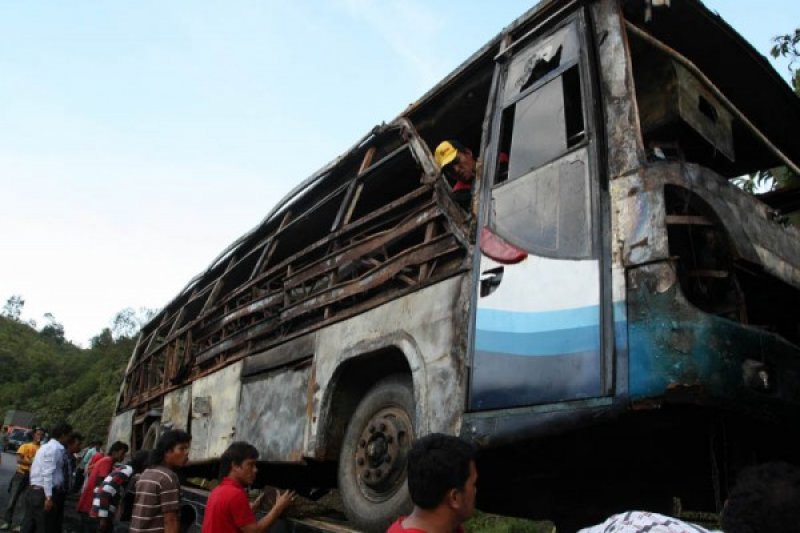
<point>228,509</point>
<point>441,482</point>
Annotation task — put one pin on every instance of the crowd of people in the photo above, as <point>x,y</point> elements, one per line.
<point>145,492</point>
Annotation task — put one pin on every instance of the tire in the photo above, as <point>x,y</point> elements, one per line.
<point>151,435</point>
<point>372,461</point>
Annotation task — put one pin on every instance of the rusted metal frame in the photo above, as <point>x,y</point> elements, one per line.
<point>558,13</point>
<point>177,322</point>
<point>423,269</point>
<point>408,198</point>
<point>445,246</point>
<point>379,275</point>
<point>348,203</point>
<point>371,280</point>
<point>362,222</point>
<point>686,62</point>
<point>412,221</point>
<point>346,209</point>
<point>420,151</point>
<point>455,216</point>
<point>689,220</point>
<point>392,294</point>
<point>218,284</point>
<point>268,343</point>
<point>269,246</point>
<point>257,306</point>
<point>147,353</point>
<point>352,207</point>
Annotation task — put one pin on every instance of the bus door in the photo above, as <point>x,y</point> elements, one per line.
<point>537,336</point>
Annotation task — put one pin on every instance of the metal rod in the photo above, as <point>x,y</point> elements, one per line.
<point>683,60</point>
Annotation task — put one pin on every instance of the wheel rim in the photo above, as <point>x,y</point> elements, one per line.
<point>380,457</point>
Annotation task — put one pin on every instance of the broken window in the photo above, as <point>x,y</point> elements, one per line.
<point>542,201</point>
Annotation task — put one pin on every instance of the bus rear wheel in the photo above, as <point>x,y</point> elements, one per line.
<point>372,462</point>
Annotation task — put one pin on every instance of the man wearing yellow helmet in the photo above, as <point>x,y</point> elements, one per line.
<point>458,164</point>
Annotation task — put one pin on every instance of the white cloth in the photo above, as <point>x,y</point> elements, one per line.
<point>47,470</point>
<point>640,522</point>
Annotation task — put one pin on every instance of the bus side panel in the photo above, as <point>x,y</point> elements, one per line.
<point>177,406</point>
<point>273,414</point>
<point>215,402</point>
<point>121,428</point>
<point>429,327</point>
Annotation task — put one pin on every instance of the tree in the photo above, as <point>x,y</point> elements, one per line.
<point>788,47</point>
<point>128,322</point>
<point>53,330</point>
<point>104,339</point>
<point>13,307</point>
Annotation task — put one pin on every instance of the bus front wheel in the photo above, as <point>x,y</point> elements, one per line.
<point>372,462</point>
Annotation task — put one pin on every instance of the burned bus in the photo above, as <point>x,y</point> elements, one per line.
<point>611,320</point>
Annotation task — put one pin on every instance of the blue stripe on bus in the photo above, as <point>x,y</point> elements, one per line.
<point>529,322</point>
<point>548,333</point>
<point>540,343</point>
<point>538,334</point>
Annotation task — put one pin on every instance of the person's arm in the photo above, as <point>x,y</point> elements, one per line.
<point>170,501</point>
<point>103,468</point>
<point>22,456</point>
<point>171,522</point>
<point>283,501</point>
<point>47,470</point>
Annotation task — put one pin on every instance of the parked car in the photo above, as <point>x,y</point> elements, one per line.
<point>15,439</point>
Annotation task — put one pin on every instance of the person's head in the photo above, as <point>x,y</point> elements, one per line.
<point>239,463</point>
<point>442,475</point>
<point>765,499</point>
<point>74,442</point>
<point>118,451</point>
<point>172,449</point>
<point>455,160</point>
<point>96,444</point>
<point>140,461</point>
<point>61,432</point>
<point>38,435</point>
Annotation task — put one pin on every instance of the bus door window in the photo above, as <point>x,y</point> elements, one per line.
<point>547,210</point>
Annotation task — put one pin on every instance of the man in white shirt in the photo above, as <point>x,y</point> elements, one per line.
<point>47,472</point>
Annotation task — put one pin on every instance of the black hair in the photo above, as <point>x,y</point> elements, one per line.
<point>119,445</point>
<point>765,499</point>
<point>74,437</point>
<point>59,430</point>
<point>140,461</point>
<point>236,454</point>
<point>437,463</point>
<point>168,441</point>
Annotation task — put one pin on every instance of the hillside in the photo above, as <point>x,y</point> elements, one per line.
<point>59,381</point>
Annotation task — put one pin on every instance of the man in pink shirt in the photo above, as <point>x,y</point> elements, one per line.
<point>441,482</point>
<point>228,510</point>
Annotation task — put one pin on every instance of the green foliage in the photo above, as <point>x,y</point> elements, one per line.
<point>489,523</point>
<point>13,307</point>
<point>788,46</point>
<point>59,381</point>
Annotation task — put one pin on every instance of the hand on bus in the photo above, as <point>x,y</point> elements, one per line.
<point>284,500</point>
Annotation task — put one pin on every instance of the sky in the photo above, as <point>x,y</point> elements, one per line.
<point>138,139</point>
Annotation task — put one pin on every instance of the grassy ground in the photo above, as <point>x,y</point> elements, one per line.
<point>489,523</point>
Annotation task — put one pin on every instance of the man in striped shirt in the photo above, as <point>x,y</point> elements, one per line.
<point>108,494</point>
<point>157,501</point>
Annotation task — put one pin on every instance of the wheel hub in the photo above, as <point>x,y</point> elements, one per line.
<point>381,450</point>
